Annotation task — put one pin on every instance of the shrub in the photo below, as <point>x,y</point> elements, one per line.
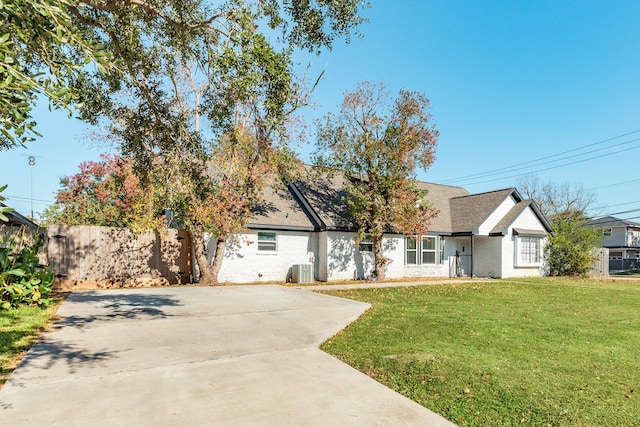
<point>23,280</point>
<point>569,251</point>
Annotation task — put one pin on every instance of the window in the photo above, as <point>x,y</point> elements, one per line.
<point>606,232</point>
<point>266,241</point>
<point>366,244</point>
<point>428,250</point>
<point>412,250</point>
<point>529,253</point>
<point>428,247</point>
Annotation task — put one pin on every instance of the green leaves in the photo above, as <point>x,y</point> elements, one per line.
<point>569,251</point>
<point>4,209</point>
<point>22,280</point>
<point>42,50</point>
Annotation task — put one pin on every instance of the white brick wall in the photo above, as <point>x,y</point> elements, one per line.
<point>346,262</point>
<point>243,263</point>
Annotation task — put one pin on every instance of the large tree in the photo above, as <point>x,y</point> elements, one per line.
<point>569,251</point>
<point>55,47</point>
<point>194,82</point>
<point>378,143</point>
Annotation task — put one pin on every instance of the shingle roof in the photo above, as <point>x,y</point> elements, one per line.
<point>439,196</point>
<point>468,212</point>
<point>318,201</point>
<point>611,221</point>
<point>280,209</point>
<point>327,199</point>
<point>17,219</point>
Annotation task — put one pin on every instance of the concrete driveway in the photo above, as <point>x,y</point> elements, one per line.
<point>226,356</point>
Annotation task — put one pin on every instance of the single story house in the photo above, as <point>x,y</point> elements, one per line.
<point>622,238</point>
<point>16,219</point>
<point>307,227</point>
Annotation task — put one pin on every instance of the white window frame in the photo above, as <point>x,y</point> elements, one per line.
<point>419,250</point>
<point>407,239</point>
<point>270,242</point>
<point>526,254</point>
<point>434,251</point>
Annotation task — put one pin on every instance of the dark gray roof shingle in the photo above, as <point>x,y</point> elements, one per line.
<point>280,209</point>
<point>468,212</point>
<point>318,201</point>
<point>611,221</point>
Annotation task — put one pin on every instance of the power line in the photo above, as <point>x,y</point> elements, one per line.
<point>551,167</point>
<point>613,185</point>
<point>535,161</point>
<point>617,204</point>
<point>624,212</point>
<point>29,199</point>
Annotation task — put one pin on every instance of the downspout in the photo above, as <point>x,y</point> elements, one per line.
<point>472,256</point>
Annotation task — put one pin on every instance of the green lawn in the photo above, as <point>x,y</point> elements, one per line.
<point>19,328</point>
<point>535,352</point>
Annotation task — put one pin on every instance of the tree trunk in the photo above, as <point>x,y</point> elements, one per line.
<point>380,262</point>
<point>207,276</point>
<point>216,265</point>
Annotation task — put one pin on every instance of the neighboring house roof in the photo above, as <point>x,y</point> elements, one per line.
<point>611,221</point>
<point>17,219</point>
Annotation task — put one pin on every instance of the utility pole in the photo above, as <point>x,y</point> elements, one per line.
<point>32,163</point>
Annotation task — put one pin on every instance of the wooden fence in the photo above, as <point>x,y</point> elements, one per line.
<point>600,262</point>
<point>90,257</point>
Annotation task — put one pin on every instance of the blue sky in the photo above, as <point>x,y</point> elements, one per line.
<point>510,82</point>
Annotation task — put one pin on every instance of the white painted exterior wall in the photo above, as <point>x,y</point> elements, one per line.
<point>243,263</point>
<point>344,261</point>
<point>335,256</point>
<point>487,256</point>
<point>429,270</point>
<point>526,220</point>
<point>496,216</point>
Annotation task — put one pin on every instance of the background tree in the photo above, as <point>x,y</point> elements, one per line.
<point>378,143</point>
<point>569,251</point>
<point>106,193</point>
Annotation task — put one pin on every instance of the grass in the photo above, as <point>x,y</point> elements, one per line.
<point>19,328</point>
<point>535,352</point>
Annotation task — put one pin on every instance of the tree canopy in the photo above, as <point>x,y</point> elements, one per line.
<point>378,143</point>
<point>193,90</point>
<point>106,193</point>
<point>42,51</point>
<point>80,52</point>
